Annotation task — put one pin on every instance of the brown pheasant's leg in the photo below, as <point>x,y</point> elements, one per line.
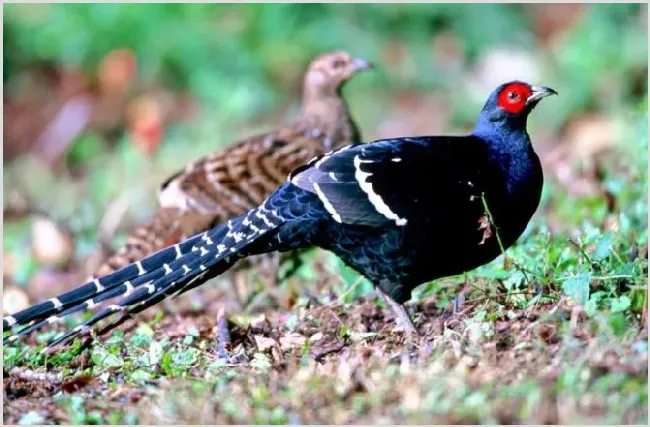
<point>404,321</point>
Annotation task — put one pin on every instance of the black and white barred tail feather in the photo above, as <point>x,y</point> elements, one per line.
<point>138,271</point>
<point>159,289</point>
<point>182,264</point>
<point>148,281</point>
<point>150,301</point>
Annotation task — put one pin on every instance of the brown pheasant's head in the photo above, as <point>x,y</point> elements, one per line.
<point>328,72</point>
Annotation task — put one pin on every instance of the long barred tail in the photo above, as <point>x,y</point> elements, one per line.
<point>165,228</point>
<point>161,230</point>
<point>174,269</point>
<point>101,288</point>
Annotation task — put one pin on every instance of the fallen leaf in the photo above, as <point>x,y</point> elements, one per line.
<point>317,336</point>
<point>264,343</point>
<point>484,224</point>
<point>292,340</point>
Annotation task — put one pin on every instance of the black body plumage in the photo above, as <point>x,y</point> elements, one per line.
<point>400,211</point>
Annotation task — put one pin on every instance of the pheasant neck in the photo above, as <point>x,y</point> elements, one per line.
<point>327,115</point>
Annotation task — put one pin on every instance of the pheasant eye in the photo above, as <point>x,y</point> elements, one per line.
<point>338,63</point>
<point>513,97</point>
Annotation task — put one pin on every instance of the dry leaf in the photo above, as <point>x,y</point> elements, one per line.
<point>317,336</point>
<point>292,340</point>
<point>264,343</point>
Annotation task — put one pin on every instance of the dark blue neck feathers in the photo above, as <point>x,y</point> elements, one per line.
<point>508,142</point>
<point>504,132</point>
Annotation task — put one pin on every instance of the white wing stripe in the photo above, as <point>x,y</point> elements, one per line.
<point>326,203</point>
<point>374,198</point>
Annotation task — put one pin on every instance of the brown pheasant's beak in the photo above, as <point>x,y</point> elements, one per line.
<point>540,92</point>
<point>360,64</point>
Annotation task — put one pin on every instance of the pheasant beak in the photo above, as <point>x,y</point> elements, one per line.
<point>360,64</point>
<point>540,92</point>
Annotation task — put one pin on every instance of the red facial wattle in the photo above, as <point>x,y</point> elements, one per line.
<point>513,97</point>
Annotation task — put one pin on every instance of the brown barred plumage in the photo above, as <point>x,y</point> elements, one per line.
<point>224,184</point>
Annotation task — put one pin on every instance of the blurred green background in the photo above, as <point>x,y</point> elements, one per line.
<point>103,102</point>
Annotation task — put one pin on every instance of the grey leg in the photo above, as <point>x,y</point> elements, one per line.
<point>401,315</point>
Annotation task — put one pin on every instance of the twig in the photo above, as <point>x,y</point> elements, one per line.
<point>224,344</point>
<point>325,350</point>
<point>353,287</point>
<point>459,300</point>
<point>30,375</point>
<point>503,294</point>
<point>644,312</point>
<point>547,315</point>
<point>602,278</point>
<point>583,252</point>
<point>503,249</point>
<point>496,229</point>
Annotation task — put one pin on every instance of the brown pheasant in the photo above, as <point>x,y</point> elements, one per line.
<point>224,184</point>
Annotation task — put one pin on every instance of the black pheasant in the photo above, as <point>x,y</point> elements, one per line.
<point>400,211</point>
<point>227,183</point>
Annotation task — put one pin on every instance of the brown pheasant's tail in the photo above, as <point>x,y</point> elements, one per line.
<point>167,227</point>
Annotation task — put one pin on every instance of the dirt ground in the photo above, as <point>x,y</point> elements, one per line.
<point>344,363</point>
